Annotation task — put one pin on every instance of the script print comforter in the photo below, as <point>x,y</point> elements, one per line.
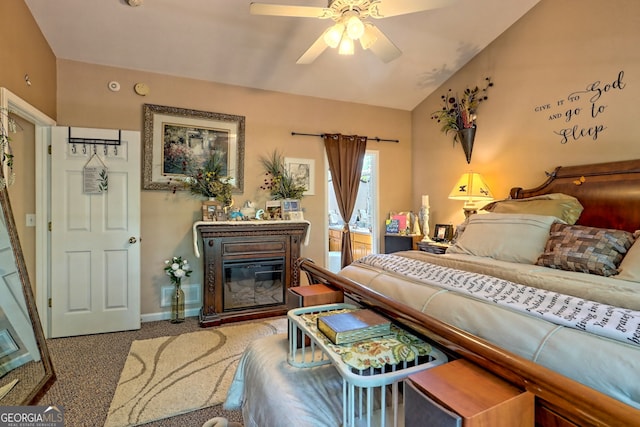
<point>552,329</point>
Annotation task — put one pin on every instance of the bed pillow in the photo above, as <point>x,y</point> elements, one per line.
<point>562,206</point>
<point>585,249</point>
<point>629,268</point>
<point>507,237</point>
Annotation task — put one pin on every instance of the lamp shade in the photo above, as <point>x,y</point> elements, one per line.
<point>333,36</point>
<point>346,46</point>
<point>471,188</point>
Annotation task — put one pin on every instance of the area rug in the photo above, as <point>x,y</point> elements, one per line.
<point>168,376</point>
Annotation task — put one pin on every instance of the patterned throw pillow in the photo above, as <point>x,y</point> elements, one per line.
<point>585,249</point>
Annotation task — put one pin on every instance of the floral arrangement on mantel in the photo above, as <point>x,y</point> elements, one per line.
<point>459,112</point>
<point>5,148</point>
<point>177,268</point>
<point>209,181</point>
<point>278,181</point>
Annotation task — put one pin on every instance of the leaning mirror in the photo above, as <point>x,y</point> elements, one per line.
<point>26,370</point>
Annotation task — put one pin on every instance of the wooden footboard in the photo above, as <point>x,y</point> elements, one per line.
<point>560,401</point>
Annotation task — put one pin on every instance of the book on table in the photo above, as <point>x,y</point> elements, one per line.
<point>353,326</point>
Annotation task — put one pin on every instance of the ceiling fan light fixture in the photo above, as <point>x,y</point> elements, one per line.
<point>369,37</point>
<point>333,36</point>
<point>346,47</point>
<point>355,28</point>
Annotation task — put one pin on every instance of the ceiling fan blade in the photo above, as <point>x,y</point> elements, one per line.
<point>287,10</point>
<point>383,48</point>
<point>385,9</point>
<point>314,51</point>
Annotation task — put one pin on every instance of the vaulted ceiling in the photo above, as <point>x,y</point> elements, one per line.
<point>220,41</point>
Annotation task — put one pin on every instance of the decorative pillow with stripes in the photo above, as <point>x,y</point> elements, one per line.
<point>585,249</point>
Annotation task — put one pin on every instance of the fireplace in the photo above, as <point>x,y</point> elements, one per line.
<point>253,283</point>
<point>248,268</point>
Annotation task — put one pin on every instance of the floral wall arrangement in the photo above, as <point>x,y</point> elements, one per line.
<point>279,181</point>
<point>458,114</point>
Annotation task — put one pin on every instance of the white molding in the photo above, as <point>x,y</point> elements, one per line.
<point>43,124</point>
<point>166,315</point>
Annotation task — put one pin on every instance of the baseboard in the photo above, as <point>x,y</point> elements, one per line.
<point>166,315</point>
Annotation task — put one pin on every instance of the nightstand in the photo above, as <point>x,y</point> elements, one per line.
<point>400,242</point>
<point>433,247</point>
<point>460,394</point>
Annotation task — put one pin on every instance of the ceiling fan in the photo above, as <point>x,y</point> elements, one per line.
<point>350,17</point>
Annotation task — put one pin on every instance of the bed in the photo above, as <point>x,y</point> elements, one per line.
<point>542,290</point>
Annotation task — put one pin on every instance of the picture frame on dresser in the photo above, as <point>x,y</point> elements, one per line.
<point>178,140</point>
<point>294,216</point>
<point>210,209</point>
<point>442,232</point>
<point>290,205</point>
<point>273,208</point>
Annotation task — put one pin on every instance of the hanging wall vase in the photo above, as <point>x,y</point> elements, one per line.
<point>466,137</point>
<point>177,305</point>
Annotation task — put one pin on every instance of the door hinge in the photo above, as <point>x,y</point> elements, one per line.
<point>49,225</point>
<point>49,302</point>
<point>49,149</point>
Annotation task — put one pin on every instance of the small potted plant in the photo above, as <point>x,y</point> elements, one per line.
<point>209,181</point>
<point>279,182</point>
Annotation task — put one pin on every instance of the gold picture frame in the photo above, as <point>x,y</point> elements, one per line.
<point>173,135</point>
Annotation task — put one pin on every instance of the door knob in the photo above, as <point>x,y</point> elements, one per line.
<point>132,240</point>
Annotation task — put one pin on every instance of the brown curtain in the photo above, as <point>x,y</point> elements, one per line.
<point>346,155</point>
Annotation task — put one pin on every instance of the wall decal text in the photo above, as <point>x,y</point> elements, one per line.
<point>587,104</point>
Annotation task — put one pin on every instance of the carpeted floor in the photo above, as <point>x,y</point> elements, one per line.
<point>88,369</point>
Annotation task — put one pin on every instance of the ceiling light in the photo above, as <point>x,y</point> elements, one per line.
<point>368,37</point>
<point>355,28</point>
<point>346,46</point>
<point>333,35</point>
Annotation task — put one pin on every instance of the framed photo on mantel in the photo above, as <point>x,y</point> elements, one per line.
<point>210,210</point>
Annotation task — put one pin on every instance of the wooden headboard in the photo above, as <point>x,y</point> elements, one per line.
<point>609,192</point>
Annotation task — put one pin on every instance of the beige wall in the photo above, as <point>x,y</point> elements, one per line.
<point>559,47</point>
<point>25,51</point>
<point>84,100</point>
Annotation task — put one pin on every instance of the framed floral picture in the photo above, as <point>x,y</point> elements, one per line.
<point>302,171</point>
<point>178,141</point>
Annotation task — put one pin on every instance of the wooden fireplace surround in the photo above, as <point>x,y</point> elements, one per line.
<point>246,240</point>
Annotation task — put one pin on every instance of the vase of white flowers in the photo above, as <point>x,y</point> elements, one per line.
<point>177,268</point>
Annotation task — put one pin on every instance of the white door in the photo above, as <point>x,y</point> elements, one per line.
<point>95,243</point>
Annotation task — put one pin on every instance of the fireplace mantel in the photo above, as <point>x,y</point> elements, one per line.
<point>234,244</point>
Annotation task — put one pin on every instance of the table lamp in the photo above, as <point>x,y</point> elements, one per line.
<point>471,188</point>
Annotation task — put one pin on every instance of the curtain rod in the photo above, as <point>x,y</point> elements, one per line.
<point>368,138</point>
